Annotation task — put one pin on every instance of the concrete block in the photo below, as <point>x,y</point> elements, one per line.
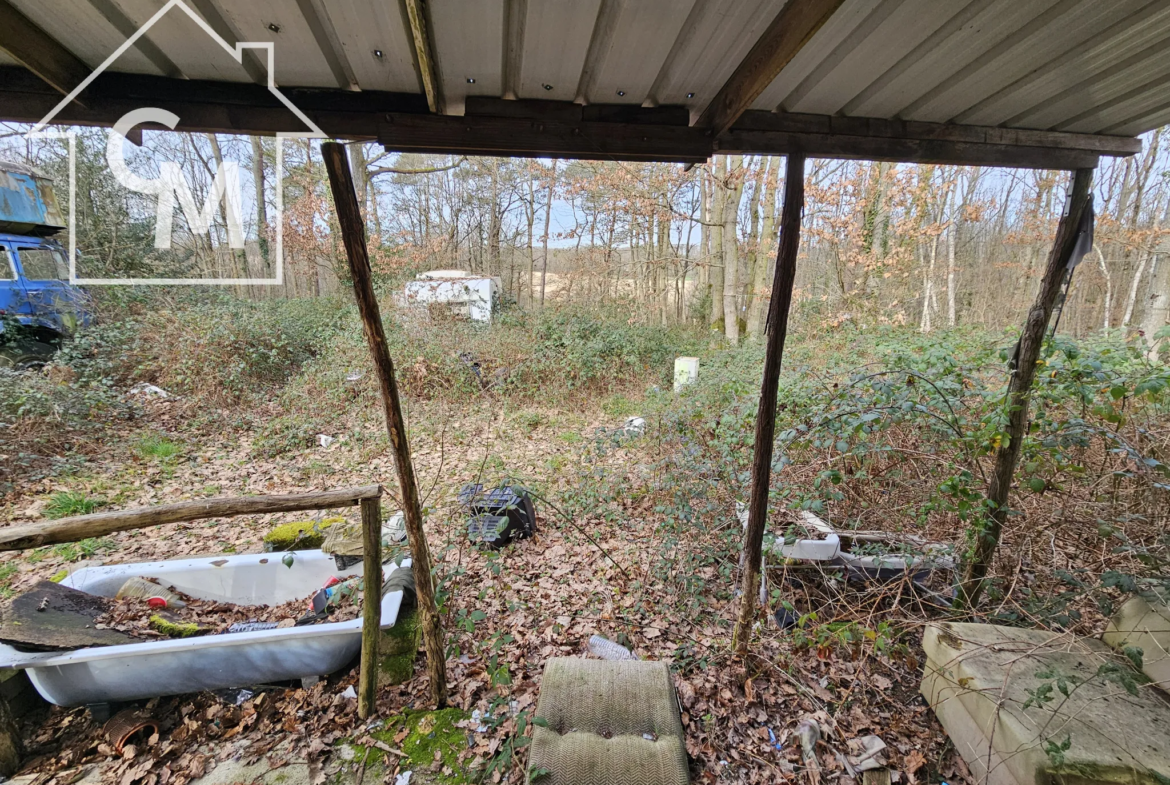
<point>979,679</point>
<point>1144,621</point>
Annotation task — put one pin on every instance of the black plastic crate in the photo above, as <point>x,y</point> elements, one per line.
<point>499,515</point>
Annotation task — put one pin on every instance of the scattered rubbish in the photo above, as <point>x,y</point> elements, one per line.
<point>773,741</point>
<point>149,390</point>
<point>252,626</point>
<point>324,440</point>
<point>344,541</point>
<point>825,547</point>
<point>349,693</point>
<point>649,737</point>
<point>126,724</point>
<point>477,718</point>
<point>403,778</point>
<point>634,426</point>
<point>44,604</point>
<point>686,371</point>
<point>865,753</point>
<point>608,650</point>
<point>809,734</point>
<point>155,595</point>
<point>498,516</point>
<point>242,697</point>
<point>785,619</point>
<point>334,592</point>
<point>98,670</point>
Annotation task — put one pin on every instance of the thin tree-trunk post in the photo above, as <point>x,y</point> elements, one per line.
<point>354,235</point>
<point>777,330</point>
<point>371,604</point>
<point>1019,387</point>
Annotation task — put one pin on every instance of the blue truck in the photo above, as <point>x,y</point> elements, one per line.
<point>39,308</point>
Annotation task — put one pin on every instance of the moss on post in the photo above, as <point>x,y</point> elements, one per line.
<point>398,648</point>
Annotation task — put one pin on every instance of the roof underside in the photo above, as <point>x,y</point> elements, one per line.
<point>1067,67</point>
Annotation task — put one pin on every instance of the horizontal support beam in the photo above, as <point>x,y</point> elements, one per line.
<point>204,106</point>
<point>796,123</point>
<point>509,136</point>
<point>552,129</point>
<point>34,535</point>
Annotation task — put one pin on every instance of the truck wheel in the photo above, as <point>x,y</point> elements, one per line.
<point>26,356</point>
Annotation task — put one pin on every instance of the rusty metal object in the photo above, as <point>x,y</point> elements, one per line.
<point>125,724</point>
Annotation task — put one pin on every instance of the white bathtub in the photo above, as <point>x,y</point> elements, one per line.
<point>171,667</point>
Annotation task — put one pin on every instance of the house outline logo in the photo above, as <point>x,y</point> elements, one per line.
<point>40,131</point>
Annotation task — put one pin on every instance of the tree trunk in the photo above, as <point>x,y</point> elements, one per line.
<point>1108,287</point>
<point>552,184</point>
<point>731,251</point>
<point>759,283</point>
<point>1019,388</point>
<point>258,181</point>
<point>1157,311</point>
<point>753,539</point>
<point>718,204</point>
<point>353,234</point>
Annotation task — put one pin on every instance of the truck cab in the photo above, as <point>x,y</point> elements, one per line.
<point>39,308</point>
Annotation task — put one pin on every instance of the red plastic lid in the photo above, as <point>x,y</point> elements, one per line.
<point>156,602</point>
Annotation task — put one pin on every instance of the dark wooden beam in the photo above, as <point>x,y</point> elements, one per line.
<point>476,135</point>
<point>424,54</point>
<point>792,28</point>
<point>39,52</point>
<point>550,128</point>
<point>777,331</point>
<point>353,235</point>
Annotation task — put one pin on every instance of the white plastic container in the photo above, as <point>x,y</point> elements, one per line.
<point>824,548</point>
<point>470,297</point>
<point>686,371</point>
<point>171,667</point>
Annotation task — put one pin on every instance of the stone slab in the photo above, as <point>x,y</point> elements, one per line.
<point>1144,621</point>
<point>978,678</point>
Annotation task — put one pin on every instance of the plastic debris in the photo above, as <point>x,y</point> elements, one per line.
<point>252,626</point>
<point>403,778</point>
<point>149,390</point>
<point>498,516</point>
<point>784,618</point>
<point>634,426</point>
<point>608,650</point>
<point>155,595</point>
<point>865,753</point>
<point>350,693</point>
<point>324,440</point>
<point>772,738</point>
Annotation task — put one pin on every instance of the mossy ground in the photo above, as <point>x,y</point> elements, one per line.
<point>428,733</point>
<point>298,535</point>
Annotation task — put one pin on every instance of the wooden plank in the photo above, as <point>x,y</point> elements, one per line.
<point>777,330</point>
<point>792,28</point>
<point>815,124</point>
<point>353,235</point>
<point>34,535</point>
<point>428,71</point>
<point>537,138</point>
<point>872,148</point>
<point>569,112</point>
<point>371,605</point>
<point>39,52</point>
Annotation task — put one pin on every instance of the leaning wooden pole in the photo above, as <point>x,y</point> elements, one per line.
<point>777,330</point>
<point>371,604</point>
<point>989,529</point>
<point>353,234</point>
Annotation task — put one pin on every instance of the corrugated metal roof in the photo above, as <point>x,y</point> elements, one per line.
<point>1095,66</point>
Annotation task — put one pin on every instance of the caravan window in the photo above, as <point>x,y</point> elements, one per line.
<point>43,264</point>
<point>7,271</point>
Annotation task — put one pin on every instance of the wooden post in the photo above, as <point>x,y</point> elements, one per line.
<point>777,329</point>
<point>1019,388</point>
<point>371,604</point>
<point>353,234</point>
